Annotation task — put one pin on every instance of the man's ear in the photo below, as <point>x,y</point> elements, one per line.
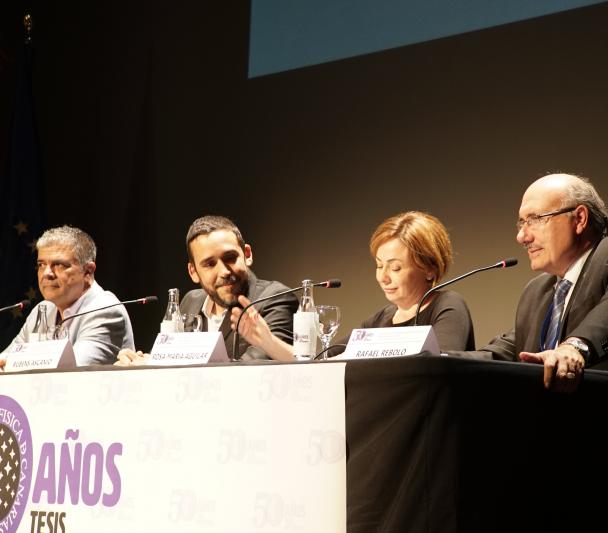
<point>248,255</point>
<point>89,272</point>
<point>581,218</point>
<point>193,274</point>
<point>89,268</point>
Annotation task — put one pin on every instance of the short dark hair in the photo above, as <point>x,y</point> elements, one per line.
<point>208,224</point>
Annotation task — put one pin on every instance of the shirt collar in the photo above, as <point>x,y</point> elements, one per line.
<point>75,307</point>
<point>207,308</point>
<point>574,272</point>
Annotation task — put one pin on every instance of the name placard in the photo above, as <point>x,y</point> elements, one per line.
<point>188,349</point>
<point>40,355</point>
<point>390,342</point>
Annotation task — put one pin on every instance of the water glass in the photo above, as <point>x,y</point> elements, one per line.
<point>327,325</point>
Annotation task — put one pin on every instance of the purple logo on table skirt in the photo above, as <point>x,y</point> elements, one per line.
<point>15,463</point>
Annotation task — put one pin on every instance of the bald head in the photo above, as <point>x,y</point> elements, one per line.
<point>554,184</point>
<point>563,216</point>
<point>548,192</point>
<point>574,190</point>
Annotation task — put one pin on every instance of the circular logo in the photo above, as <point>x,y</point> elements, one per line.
<point>15,462</point>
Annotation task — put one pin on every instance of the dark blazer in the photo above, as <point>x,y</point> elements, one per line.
<point>585,317</point>
<point>278,313</point>
<point>448,313</point>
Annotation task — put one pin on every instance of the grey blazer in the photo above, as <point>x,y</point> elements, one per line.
<point>278,313</point>
<point>96,337</point>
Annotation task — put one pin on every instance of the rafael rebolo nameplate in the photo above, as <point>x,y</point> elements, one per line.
<point>390,342</point>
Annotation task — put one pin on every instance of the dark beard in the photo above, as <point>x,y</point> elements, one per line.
<point>241,286</point>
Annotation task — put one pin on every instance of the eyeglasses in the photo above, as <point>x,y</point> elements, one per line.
<point>534,220</point>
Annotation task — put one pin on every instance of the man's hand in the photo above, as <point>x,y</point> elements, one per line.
<point>256,332</point>
<point>565,364</point>
<point>128,357</point>
<point>252,326</point>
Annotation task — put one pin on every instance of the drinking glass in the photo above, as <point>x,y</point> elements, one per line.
<point>327,325</point>
<point>192,323</point>
<point>55,333</point>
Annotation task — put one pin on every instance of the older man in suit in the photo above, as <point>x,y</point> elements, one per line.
<point>66,278</point>
<point>561,320</point>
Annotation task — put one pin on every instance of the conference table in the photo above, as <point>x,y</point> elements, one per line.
<point>442,444</point>
<point>420,443</point>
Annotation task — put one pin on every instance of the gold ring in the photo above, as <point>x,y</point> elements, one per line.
<point>570,375</point>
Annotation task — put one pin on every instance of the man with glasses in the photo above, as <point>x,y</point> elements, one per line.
<point>562,316</point>
<point>66,278</point>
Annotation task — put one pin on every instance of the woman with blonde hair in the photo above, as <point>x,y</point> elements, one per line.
<point>413,252</point>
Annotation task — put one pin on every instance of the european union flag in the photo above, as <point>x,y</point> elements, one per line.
<point>22,207</point>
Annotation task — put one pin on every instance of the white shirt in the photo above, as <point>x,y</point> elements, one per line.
<point>214,322</point>
<point>573,273</point>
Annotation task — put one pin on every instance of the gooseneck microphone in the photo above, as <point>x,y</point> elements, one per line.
<point>143,301</point>
<point>505,263</point>
<point>23,304</point>
<point>328,284</point>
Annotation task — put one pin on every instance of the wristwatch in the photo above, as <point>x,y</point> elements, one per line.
<point>579,345</point>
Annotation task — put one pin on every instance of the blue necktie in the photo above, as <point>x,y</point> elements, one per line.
<point>557,308</point>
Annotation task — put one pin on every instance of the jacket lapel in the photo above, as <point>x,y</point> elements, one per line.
<point>578,289</point>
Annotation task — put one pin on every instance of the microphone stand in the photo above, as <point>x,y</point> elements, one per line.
<point>501,264</point>
<point>235,339</point>
<point>328,284</point>
<point>143,301</point>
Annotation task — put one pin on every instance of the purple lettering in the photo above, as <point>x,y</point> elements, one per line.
<point>45,477</point>
<point>111,499</point>
<point>69,471</point>
<point>93,451</point>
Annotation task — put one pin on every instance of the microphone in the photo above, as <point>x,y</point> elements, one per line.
<point>333,283</point>
<point>505,263</point>
<point>143,301</point>
<point>23,304</point>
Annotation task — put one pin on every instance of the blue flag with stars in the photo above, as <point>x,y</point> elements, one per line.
<point>22,207</point>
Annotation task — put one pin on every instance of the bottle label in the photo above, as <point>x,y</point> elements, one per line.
<point>305,334</point>
<point>171,326</point>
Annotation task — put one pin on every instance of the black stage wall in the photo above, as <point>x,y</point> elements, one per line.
<point>147,120</point>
